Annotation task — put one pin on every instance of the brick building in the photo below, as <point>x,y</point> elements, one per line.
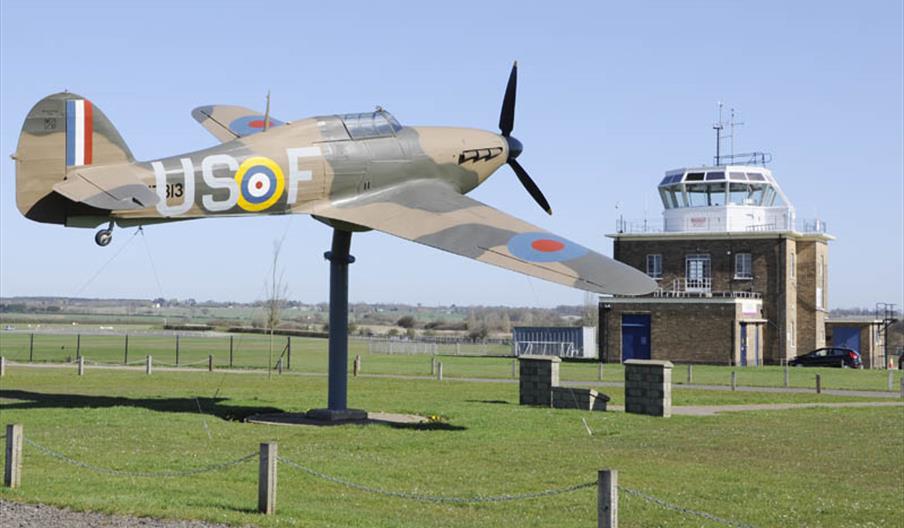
<point>742,281</point>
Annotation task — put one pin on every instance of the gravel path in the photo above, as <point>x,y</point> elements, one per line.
<point>17,515</point>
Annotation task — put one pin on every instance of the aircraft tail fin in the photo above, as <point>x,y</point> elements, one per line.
<point>61,132</point>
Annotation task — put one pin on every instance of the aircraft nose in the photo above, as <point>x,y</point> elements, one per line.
<point>515,146</point>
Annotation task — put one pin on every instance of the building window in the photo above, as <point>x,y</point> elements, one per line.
<point>698,276</point>
<point>654,266</point>
<point>743,266</point>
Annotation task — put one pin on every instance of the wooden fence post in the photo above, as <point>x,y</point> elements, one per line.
<point>12,471</point>
<point>78,345</point>
<point>210,363</point>
<point>433,366</point>
<point>31,348</point>
<point>2,366</point>
<point>599,373</point>
<point>266,491</point>
<point>81,366</point>
<point>787,375</point>
<point>177,350</point>
<point>734,380</point>
<point>891,380</point>
<point>607,499</point>
<point>148,365</point>
<point>818,384</point>
<point>125,351</point>
<point>356,367</point>
<point>439,371</point>
<point>230,351</point>
<point>288,352</point>
<point>690,374</point>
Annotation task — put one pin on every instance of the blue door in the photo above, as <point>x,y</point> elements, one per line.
<point>743,344</point>
<point>847,337</point>
<point>635,336</point>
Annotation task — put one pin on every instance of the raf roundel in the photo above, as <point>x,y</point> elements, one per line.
<point>261,183</point>
<point>544,247</point>
<point>251,124</point>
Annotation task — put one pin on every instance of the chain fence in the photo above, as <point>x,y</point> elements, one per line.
<point>680,509</point>
<point>150,474</point>
<point>436,498</point>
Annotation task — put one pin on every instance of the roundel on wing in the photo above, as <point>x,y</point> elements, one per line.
<point>544,247</point>
<point>252,124</point>
<point>261,183</point>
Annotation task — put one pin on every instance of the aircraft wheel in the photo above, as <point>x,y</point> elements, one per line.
<point>103,237</point>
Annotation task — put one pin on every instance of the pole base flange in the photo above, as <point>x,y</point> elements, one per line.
<point>337,416</point>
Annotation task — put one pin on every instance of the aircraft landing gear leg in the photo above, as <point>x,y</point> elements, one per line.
<point>104,236</point>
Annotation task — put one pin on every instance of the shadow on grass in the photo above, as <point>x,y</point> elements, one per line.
<point>497,402</point>
<point>208,406</point>
<point>430,426</point>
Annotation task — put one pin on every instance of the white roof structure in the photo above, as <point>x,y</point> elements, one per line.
<point>724,198</point>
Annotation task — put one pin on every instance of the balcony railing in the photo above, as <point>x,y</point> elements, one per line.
<point>807,226</point>
<point>701,288</point>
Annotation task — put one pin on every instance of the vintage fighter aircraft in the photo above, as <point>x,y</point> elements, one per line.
<point>354,172</point>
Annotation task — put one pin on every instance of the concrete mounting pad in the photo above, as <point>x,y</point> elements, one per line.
<point>352,416</point>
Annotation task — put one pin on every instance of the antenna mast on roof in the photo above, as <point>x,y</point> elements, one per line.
<point>718,128</point>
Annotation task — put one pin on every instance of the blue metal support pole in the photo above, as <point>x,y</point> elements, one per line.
<point>339,258</point>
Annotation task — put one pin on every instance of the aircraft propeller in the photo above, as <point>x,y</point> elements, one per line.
<point>506,124</point>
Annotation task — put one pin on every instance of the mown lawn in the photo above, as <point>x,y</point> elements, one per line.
<point>310,355</point>
<point>809,467</point>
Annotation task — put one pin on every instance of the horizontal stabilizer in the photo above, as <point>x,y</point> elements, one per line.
<point>107,188</point>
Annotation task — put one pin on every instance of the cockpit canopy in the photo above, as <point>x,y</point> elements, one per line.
<point>370,124</point>
<point>720,186</point>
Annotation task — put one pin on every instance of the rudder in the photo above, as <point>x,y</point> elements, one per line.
<point>62,131</point>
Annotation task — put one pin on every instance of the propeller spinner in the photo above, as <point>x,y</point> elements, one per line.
<point>506,124</point>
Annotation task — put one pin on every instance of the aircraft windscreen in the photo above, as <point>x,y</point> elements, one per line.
<point>370,124</point>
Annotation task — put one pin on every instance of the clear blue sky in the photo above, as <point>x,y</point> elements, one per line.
<point>610,96</point>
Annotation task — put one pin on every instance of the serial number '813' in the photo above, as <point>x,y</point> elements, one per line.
<point>174,190</point>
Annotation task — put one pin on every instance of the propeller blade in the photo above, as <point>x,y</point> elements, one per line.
<point>529,184</point>
<point>507,115</point>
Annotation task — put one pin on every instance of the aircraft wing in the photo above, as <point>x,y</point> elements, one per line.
<point>110,187</point>
<point>228,123</point>
<point>434,214</point>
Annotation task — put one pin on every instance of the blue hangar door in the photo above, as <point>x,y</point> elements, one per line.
<point>635,331</point>
<point>847,337</point>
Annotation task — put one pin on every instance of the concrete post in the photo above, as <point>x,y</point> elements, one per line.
<point>648,387</point>
<point>690,374</point>
<point>2,366</point>
<point>81,366</point>
<point>266,490</point>
<point>607,498</point>
<point>433,366</point>
<point>734,380</point>
<point>818,384</point>
<point>148,365</point>
<point>599,373</point>
<point>12,470</point>
<point>439,371</point>
<point>78,345</point>
<point>210,363</point>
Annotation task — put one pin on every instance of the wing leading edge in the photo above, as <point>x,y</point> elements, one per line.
<point>434,214</point>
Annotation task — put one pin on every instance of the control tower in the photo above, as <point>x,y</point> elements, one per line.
<point>742,280</point>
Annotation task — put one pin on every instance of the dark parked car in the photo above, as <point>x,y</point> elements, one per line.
<point>829,357</point>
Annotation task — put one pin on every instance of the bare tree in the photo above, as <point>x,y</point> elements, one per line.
<point>277,292</point>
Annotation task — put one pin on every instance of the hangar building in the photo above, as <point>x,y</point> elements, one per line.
<point>742,280</point>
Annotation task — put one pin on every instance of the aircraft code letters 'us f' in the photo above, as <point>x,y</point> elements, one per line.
<point>354,172</point>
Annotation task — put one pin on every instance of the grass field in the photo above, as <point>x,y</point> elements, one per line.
<point>808,467</point>
<point>309,355</point>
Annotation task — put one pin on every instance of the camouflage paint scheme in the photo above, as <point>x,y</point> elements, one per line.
<point>409,182</point>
